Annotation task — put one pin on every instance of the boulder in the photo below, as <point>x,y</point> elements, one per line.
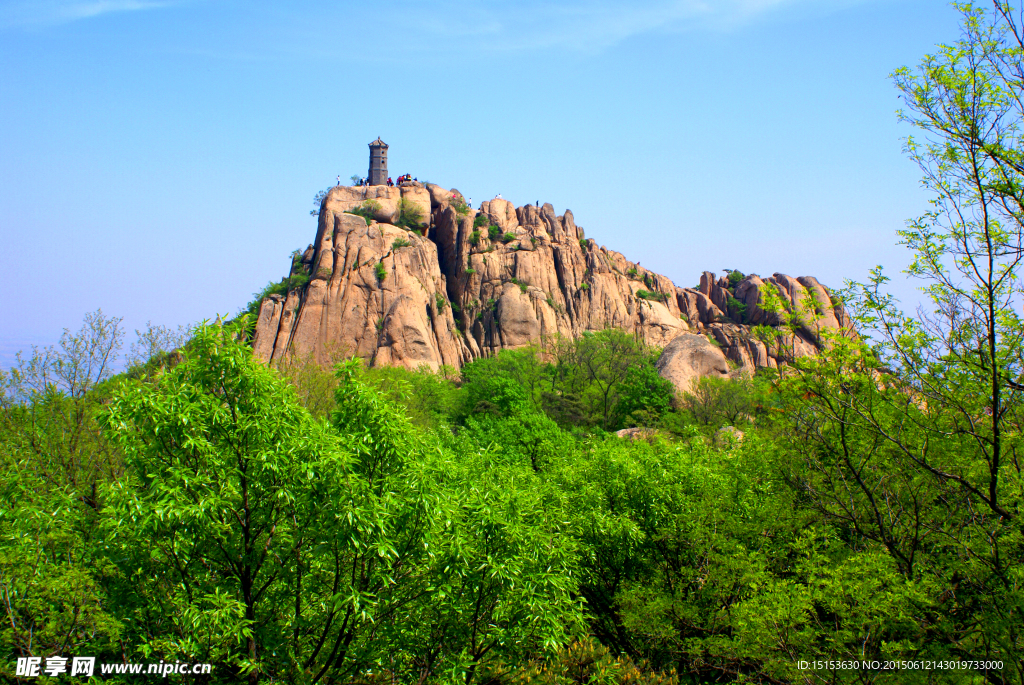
<point>502,213</point>
<point>343,198</point>
<point>636,433</point>
<point>690,356</point>
<point>728,436</point>
<point>438,195</point>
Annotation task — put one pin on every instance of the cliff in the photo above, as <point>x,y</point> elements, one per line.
<point>450,284</point>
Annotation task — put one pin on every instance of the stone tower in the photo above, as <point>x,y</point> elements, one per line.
<point>378,174</point>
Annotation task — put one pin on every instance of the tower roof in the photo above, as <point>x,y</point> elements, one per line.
<point>378,143</point>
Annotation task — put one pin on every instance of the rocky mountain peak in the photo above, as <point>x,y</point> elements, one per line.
<point>416,277</point>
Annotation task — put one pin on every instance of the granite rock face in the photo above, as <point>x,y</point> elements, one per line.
<point>469,283</point>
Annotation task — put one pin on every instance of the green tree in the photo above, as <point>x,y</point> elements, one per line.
<point>645,396</point>
<point>232,485</point>
<point>915,435</point>
<point>701,562</point>
<point>594,368</point>
<point>464,563</point>
<point>53,573</point>
<point>715,401</point>
<point>48,406</point>
<point>156,343</point>
<point>318,200</point>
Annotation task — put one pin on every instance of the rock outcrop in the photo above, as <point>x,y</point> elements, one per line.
<point>459,284</point>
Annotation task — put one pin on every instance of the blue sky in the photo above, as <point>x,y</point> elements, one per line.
<point>160,157</point>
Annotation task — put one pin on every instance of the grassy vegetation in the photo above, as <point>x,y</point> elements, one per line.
<point>410,215</point>
<point>459,205</point>
<point>368,209</point>
<point>653,296</point>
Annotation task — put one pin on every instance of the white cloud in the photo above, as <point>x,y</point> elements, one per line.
<point>589,24</point>
<point>43,12</point>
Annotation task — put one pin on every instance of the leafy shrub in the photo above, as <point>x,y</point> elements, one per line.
<point>584,286</point>
<point>737,308</point>
<point>400,242</point>
<point>631,272</point>
<point>533,240</point>
<point>714,401</point>
<point>318,200</point>
<point>644,397</point>
<point>409,214</point>
<point>294,282</point>
<point>440,301</point>
<point>323,271</point>
<point>735,277</point>
<point>494,231</point>
<point>508,237</point>
<point>474,238</point>
<point>648,295</point>
<point>583,243</point>
<point>380,271</point>
<point>522,286</point>
<point>470,270</point>
<point>480,221</point>
<point>460,206</point>
<point>366,210</point>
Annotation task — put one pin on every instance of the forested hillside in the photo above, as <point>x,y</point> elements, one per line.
<point>292,523</point>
